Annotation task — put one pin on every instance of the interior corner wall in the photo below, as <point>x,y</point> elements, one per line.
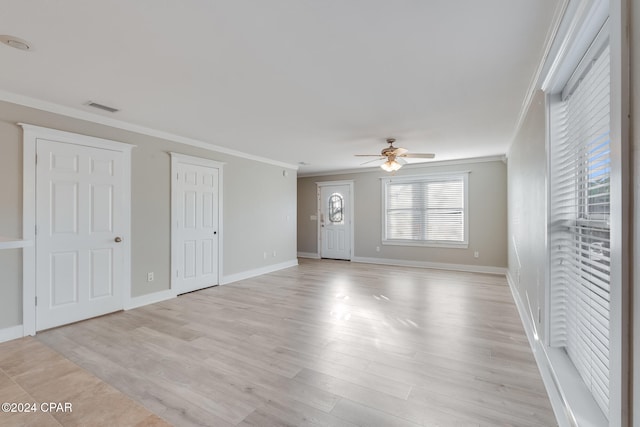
<point>487,216</point>
<point>634,40</point>
<point>259,206</point>
<point>527,172</point>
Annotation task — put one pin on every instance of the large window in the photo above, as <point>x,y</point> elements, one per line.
<point>579,223</point>
<point>426,210</point>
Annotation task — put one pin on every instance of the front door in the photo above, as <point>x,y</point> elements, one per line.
<point>335,223</point>
<point>195,195</point>
<point>79,249</point>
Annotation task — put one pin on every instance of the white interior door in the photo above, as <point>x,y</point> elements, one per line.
<point>196,233</point>
<point>335,221</point>
<point>79,217</point>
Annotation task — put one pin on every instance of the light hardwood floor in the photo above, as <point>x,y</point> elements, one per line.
<point>33,376</point>
<point>324,343</point>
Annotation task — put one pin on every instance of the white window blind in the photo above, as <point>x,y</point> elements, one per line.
<point>425,210</point>
<point>579,227</point>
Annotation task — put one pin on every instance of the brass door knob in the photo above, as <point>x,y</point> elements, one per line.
<point>118,239</point>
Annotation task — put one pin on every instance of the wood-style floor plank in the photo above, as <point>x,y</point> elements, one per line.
<point>34,374</point>
<point>324,343</point>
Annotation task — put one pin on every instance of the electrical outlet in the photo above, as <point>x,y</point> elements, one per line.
<point>265,255</point>
<point>377,248</point>
<point>150,276</point>
<point>274,254</point>
<point>476,254</point>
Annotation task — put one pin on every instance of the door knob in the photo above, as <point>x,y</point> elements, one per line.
<point>118,239</point>
<point>215,232</point>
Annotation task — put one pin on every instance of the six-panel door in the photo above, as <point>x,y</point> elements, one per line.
<point>197,227</point>
<point>79,260</point>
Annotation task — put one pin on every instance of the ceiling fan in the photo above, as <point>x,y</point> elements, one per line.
<point>395,156</point>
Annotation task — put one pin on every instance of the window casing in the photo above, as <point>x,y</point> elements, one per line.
<point>427,210</point>
<point>579,223</point>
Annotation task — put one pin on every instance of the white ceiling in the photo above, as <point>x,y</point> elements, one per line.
<point>290,80</point>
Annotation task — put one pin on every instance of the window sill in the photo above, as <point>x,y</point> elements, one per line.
<point>450,245</point>
<point>580,407</point>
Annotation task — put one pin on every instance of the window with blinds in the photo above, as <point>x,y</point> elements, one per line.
<point>425,210</point>
<point>579,225</point>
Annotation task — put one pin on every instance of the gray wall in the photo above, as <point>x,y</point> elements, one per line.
<point>635,139</point>
<point>10,224</point>
<point>487,216</point>
<point>527,173</point>
<point>257,201</point>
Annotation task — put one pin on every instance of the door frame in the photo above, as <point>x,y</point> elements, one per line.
<point>351,213</point>
<point>176,159</point>
<point>31,134</point>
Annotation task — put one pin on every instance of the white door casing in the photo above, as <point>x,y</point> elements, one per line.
<point>335,218</point>
<point>77,192</point>
<point>196,234</point>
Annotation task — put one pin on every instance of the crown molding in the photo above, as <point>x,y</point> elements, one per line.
<point>75,113</point>
<point>543,65</point>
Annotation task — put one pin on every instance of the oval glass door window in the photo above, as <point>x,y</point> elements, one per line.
<point>336,208</point>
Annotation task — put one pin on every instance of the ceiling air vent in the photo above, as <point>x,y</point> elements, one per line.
<point>102,107</point>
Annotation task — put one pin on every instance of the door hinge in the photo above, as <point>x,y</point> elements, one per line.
<point>36,301</point>
<point>36,159</point>
<point>539,315</point>
<point>36,229</point>
<point>177,275</point>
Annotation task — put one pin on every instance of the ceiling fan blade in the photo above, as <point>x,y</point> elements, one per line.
<point>367,155</point>
<point>419,155</point>
<point>374,160</point>
<point>399,151</point>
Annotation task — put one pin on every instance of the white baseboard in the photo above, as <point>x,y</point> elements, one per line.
<point>11,333</point>
<point>170,293</point>
<point>147,299</point>
<point>436,265</point>
<point>308,255</point>
<point>258,271</point>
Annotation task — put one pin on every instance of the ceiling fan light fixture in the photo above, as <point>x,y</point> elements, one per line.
<point>395,156</point>
<point>391,166</point>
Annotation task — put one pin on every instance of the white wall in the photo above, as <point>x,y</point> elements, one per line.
<point>258,198</point>
<point>527,171</point>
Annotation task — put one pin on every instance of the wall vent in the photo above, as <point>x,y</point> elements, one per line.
<point>102,107</point>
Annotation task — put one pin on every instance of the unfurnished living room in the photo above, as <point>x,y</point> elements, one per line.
<point>319,213</point>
